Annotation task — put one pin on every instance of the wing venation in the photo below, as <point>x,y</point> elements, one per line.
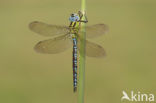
<point>48,29</point>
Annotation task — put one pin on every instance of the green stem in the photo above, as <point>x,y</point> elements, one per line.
<point>82,57</point>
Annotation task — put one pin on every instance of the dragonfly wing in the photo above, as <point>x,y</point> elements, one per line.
<point>55,45</point>
<point>94,50</point>
<point>47,30</point>
<point>96,30</point>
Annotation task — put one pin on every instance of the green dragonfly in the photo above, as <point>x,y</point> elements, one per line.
<point>68,36</point>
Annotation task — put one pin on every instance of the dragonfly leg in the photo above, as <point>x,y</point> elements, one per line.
<point>71,24</point>
<point>74,25</point>
<point>81,15</point>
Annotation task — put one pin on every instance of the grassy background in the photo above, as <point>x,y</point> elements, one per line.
<point>29,77</point>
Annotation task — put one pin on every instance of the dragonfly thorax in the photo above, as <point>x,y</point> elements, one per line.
<point>72,36</point>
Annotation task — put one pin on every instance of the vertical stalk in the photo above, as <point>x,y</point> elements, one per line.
<point>82,56</point>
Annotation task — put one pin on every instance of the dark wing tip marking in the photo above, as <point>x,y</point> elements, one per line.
<point>32,24</point>
<point>94,50</point>
<point>96,30</point>
<point>101,54</point>
<point>36,47</point>
<point>104,27</point>
<point>40,48</point>
<point>45,29</point>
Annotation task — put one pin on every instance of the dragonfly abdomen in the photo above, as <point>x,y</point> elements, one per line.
<point>75,64</point>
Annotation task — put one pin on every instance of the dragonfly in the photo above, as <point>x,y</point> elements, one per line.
<point>68,36</point>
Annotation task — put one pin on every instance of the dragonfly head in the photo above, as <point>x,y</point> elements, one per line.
<point>74,17</point>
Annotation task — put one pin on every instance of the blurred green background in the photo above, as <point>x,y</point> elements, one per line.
<point>29,77</point>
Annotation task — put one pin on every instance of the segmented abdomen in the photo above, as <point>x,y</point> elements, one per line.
<point>75,64</point>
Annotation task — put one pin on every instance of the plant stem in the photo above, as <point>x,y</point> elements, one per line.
<point>82,57</point>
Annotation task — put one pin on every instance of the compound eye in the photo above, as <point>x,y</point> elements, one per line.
<point>72,15</point>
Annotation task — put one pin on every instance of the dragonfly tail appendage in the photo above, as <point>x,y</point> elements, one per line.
<point>75,89</point>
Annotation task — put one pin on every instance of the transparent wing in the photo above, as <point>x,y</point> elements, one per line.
<point>46,29</point>
<point>55,45</point>
<point>96,30</point>
<point>93,50</point>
